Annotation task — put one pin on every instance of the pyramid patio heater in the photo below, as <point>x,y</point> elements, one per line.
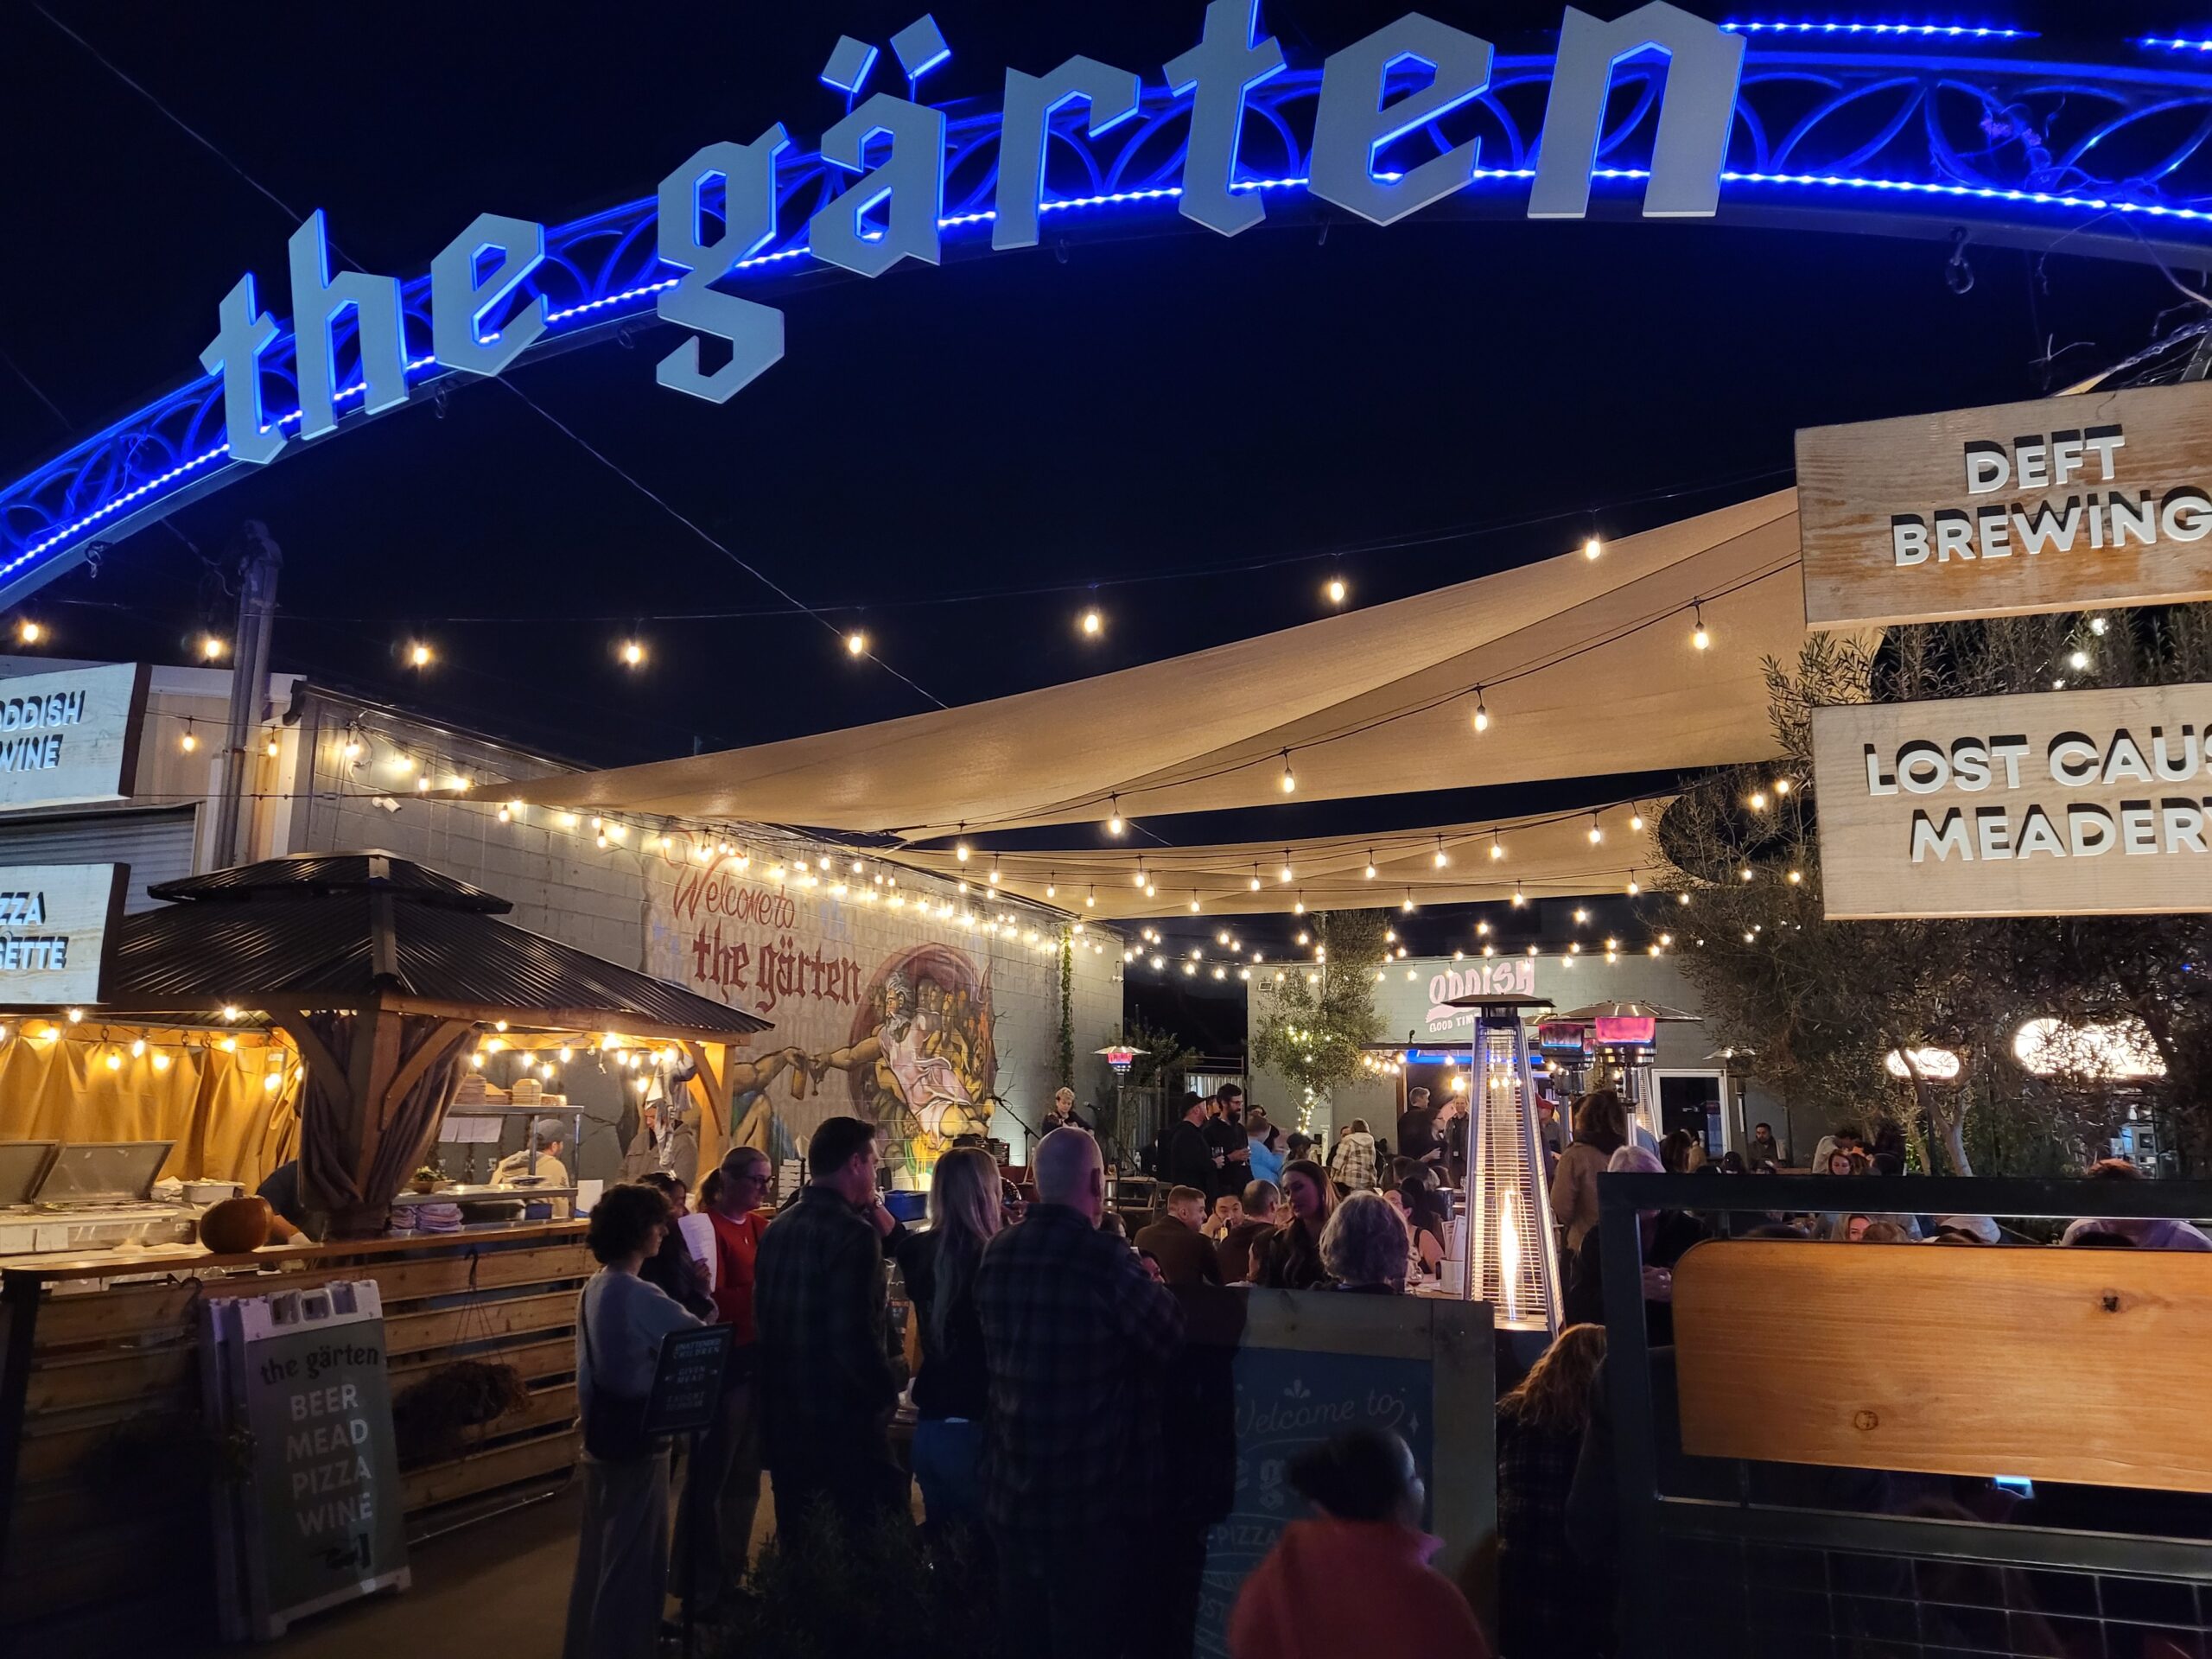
<point>1512,1248</point>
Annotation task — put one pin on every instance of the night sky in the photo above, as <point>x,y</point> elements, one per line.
<point>1163,404</point>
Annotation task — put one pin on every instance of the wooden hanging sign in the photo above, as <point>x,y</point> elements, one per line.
<point>2062,504</point>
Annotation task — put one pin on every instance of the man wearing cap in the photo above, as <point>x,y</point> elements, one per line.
<point>548,1136</point>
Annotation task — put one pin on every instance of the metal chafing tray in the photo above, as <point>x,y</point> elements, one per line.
<point>103,1173</point>
<point>92,1195</point>
<point>23,1164</point>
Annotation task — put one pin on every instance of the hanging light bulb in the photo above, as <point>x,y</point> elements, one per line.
<point>1138,879</point>
<point>352,750</point>
<point>1581,916</point>
<point>1518,900</point>
<point>1299,908</point>
<point>1497,851</point>
<point>1286,865</point>
<point>856,643</point>
<point>211,648</point>
<point>1371,864</point>
<point>1113,819</point>
<point>1636,819</point>
<point>269,747</point>
<point>995,870</point>
<point>1090,899</point>
<point>418,655</point>
<point>189,741</point>
<point>29,633</point>
<point>2096,625</point>
<point>1093,624</point>
<point>1289,779</point>
<point>1052,886</point>
<point>1407,903</point>
<point>959,851</point>
<point>1336,590</point>
<point>1482,712</point>
<point>1194,901</point>
<point>1782,785</point>
<point>1698,637</point>
<point>1591,548</point>
<point>1633,887</point>
<point>1758,800</point>
<point>1442,857</point>
<point>632,654</point>
<point>1255,878</point>
<point>1596,831</point>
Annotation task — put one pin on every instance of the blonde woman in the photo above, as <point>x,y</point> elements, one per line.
<point>951,1388</point>
<point>1600,1130</point>
<point>1544,1602</point>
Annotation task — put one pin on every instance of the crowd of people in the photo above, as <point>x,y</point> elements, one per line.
<point>1042,1346</point>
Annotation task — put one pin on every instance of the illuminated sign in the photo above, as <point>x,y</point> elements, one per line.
<point>2051,505</point>
<point>719,209</point>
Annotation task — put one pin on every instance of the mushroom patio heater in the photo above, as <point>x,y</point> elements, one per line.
<point>1512,1248</point>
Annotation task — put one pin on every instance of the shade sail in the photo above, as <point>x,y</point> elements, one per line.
<point>1586,667</point>
<point>1546,857</point>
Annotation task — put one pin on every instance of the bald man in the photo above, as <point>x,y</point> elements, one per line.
<point>1077,1337</point>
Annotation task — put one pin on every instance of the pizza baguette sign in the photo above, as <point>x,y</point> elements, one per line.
<point>2053,804</point>
<point>2061,504</point>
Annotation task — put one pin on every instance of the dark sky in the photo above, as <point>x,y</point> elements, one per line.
<point>1162,402</point>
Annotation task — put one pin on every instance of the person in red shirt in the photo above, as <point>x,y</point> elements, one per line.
<point>715,1521</point>
<point>1355,1578</point>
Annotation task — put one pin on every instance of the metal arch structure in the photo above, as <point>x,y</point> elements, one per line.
<point>1891,130</point>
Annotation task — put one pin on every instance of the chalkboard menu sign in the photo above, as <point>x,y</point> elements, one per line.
<point>688,1380</point>
<point>311,1517</point>
<point>1292,1369</point>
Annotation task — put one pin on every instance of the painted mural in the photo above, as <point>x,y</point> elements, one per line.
<point>911,1030</point>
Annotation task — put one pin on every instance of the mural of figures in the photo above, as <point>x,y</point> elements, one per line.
<point>922,1057</point>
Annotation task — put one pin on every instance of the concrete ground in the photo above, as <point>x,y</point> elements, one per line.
<point>499,1585</point>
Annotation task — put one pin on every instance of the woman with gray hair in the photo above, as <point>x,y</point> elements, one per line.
<point>1667,1235</point>
<point>1364,1246</point>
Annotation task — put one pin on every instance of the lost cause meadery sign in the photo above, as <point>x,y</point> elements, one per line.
<point>2056,505</point>
<point>70,738</point>
<point>57,929</point>
<point>2052,804</point>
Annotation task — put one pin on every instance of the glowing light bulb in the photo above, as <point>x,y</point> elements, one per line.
<point>1407,903</point>
<point>269,747</point>
<point>1518,898</point>
<point>1113,823</point>
<point>1482,712</point>
<point>856,643</point>
<point>418,655</point>
<point>1636,821</point>
<point>1698,637</point>
<point>1194,903</point>
<point>1593,548</point>
<point>1597,834</point>
<point>1758,800</point>
<point>352,749</point>
<point>1336,590</point>
<point>28,632</point>
<point>1495,849</point>
<point>161,1061</point>
<point>960,851</point>
<point>1442,857</point>
<point>1782,785</point>
<point>1289,779</point>
<point>1796,876</point>
<point>2096,625</point>
<point>1255,878</point>
<point>188,742</point>
<point>114,1062</point>
<point>634,654</point>
<point>211,648</point>
<point>1093,624</point>
<point>2078,661</point>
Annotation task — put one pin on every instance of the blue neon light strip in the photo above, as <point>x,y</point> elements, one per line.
<point>86,488</point>
<point>1926,31</point>
<point>627,301</point>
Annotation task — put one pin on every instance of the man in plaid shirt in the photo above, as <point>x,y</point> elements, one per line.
<point>1078,1338</point>
<point>828,1384</point>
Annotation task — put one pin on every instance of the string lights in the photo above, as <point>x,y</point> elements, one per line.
<point>1093,624</point>
<point>29,633</point>
<point>1481,711</point>
<point>211,648</point>
<point>856,643</point>
<point>1289,779</point>
<point>1336,590</point>
<point>1698,637</point>
<point>632,654</point>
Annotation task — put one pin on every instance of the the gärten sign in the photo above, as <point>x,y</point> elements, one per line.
<point>2052,804</point>
<point>2062,504</point>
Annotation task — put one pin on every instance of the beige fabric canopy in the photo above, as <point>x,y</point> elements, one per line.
<point>1538,857</point>
<point>1585,666</point>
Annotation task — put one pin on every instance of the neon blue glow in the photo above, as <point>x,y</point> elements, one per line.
<point>920,47</point>
<point>850,63</point>
<point>1926,31</point>
<point>2047,174</point>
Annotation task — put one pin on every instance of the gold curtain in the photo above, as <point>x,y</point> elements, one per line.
<point>227,1124</point>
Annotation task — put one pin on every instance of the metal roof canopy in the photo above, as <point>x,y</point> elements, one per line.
<point>320,931</point>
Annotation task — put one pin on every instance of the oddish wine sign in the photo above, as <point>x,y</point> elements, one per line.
<point>2051,803</point>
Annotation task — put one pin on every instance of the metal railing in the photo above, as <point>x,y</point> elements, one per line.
<point>1656,1524</point>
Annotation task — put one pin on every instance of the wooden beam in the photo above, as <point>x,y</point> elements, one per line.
<point>317,1055</point>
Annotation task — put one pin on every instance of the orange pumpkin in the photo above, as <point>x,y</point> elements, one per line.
<point>236,1226</point>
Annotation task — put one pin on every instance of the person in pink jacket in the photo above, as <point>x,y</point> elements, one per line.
<point>1355,1578</point>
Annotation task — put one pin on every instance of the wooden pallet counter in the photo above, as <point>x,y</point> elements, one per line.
<point>106,1466</point>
